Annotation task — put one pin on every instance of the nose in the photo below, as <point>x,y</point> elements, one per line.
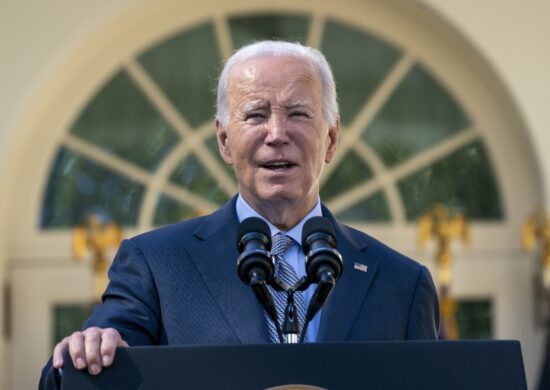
<point>276,130</point>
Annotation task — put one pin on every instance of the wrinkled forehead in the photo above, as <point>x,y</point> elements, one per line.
<point>266,68</point>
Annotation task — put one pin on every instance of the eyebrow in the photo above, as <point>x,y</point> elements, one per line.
<point>254,105</point>
<point>291,106</point>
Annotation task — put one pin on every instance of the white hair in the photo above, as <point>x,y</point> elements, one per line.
<point>279,49</point>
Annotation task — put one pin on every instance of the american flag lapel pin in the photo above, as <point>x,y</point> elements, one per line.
<point>360,267</point>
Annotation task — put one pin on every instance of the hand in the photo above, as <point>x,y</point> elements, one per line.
<point>93,348</point>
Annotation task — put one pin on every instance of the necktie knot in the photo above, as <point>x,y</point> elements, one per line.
<point>281,243</point>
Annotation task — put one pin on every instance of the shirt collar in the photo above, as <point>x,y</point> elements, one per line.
<point>244,210</point>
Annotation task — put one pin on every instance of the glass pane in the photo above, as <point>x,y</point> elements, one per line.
<point>171,211</point>
<point>122,121</point>
<point>359,61</point>
<point>186,68</point>
<point>419,114</point>
<point>68,318</point>
<point>78,186</point>
<point>192,175</point>
<point>246,29</point>
<point>474,319</point>
<point>351,171</point>
<point>373,209</point>
<point>463,181</point>
<point>212,145</point>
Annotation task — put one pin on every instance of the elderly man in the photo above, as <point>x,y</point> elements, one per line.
<point>277,125</point>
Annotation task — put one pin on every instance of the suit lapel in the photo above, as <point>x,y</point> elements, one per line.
<point>215,257</point>
<point>343,306</point>
<point>216,260</point>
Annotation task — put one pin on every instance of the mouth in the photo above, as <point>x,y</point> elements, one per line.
<point>278,165</point>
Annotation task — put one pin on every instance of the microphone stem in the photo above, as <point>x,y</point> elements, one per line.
<point>291,326</point>
<point>304,332</point>
<point>263,296</point>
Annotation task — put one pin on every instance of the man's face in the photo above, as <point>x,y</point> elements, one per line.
<point>277,138</point>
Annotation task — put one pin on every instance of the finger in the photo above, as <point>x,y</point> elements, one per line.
<point>92,344</point>
<point>58,352</point>
<point>110,340</point>
<point>76,349</point>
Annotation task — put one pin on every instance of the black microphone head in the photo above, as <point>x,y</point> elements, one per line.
<point>319,246</point>
<point>254,244</point>
<point>317,225</point>
<point>253,225</point>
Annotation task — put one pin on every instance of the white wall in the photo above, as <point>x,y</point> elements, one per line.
<point>35,37</point>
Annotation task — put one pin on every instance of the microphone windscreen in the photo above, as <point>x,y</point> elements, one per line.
<point>253,224</point>
<point>317,225</point>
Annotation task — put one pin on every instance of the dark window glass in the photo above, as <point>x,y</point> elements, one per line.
<point>246,29</point>
<point>186,68</point>
<point>474,318</point>
<point>212,145</point>
<point>351,171</point>
<point>462,181</point>
<point>171,211</point>
<point>372,209</point>
<point>78,186</point>
<point>419,114</point>
<point>359,62</point>
<point>68,318</point>
<point>192,175</point>
<point>121,120</point>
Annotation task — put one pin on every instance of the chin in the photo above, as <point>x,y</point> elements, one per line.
<point>287,196</point>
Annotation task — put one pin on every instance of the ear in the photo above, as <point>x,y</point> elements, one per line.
<point>223,142</point>
<point>333,134</point>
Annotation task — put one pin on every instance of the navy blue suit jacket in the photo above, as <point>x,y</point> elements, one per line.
<point>179,285</point>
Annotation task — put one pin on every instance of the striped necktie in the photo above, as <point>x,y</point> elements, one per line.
<point>281,244</point>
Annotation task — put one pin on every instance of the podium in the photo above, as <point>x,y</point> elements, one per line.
<point>366,365</point>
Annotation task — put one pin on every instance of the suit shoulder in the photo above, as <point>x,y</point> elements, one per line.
<point>178,231</point>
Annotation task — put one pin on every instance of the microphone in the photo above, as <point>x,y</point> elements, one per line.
<point>324,263</point>
<point>255,264</point>
<point>254,243</point>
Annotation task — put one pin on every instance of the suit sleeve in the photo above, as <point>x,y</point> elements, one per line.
<point>130,302</point>
<point>49,379</point>
<point>423,320</point>
<point>130,305</point>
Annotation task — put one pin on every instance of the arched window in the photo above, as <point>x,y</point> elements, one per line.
<point>144,147</point>
<point>128,129</point>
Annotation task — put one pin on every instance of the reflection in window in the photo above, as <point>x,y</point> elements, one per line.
<point>419,114</point>
<point>78,186</point>
<point>171,211</point>
<point>186,67</point>
<point>372,209</point>
<point>212,145</point>
<point>121,120</point>
<point>192,175</point>
<point>359,61</point>
<point>351,171</point>
<point>462,181</point>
